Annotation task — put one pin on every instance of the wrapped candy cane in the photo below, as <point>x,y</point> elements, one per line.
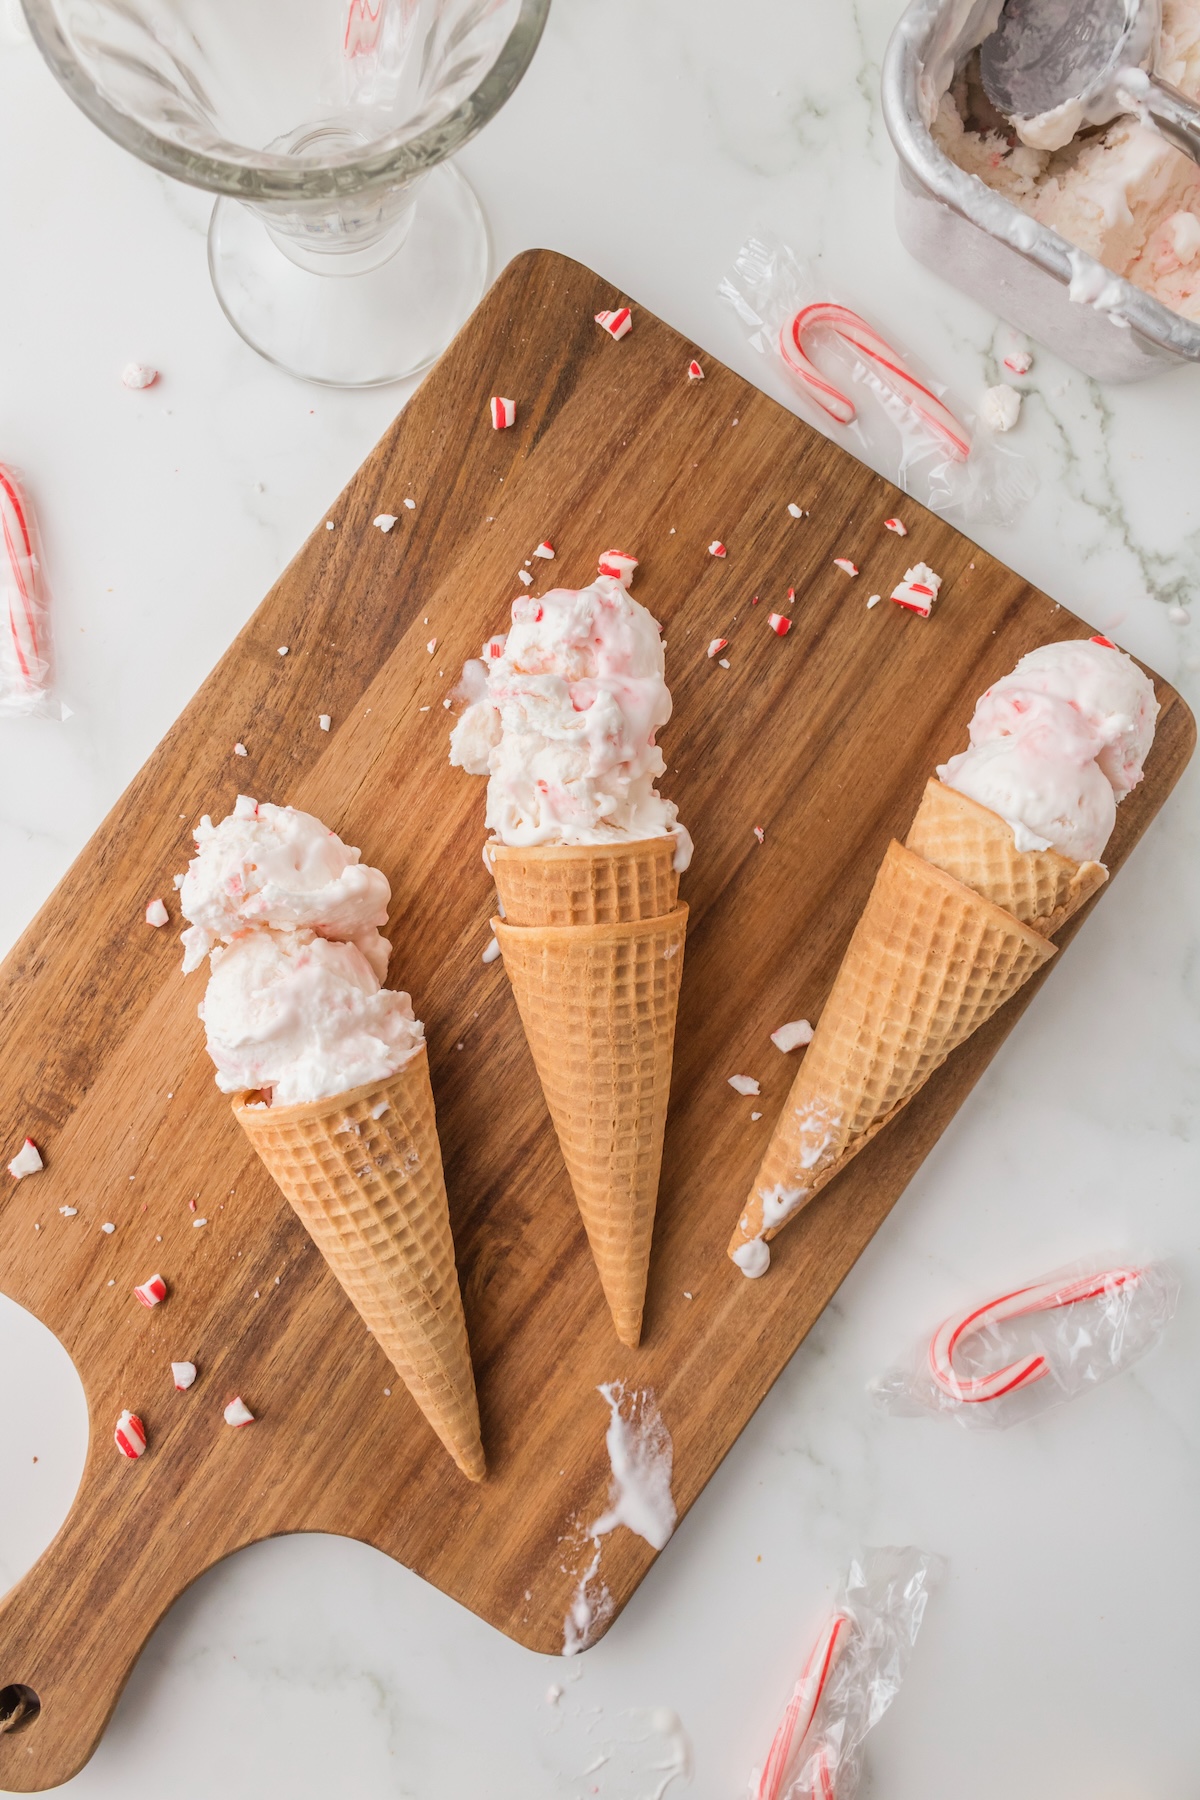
<point>1035,1346</point>
<point>868,393</point>
<point>24,630</point>
<point>850,1679</point>
<point>861,337</point>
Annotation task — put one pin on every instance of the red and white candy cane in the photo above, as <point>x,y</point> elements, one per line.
<point>130,1435</point>
<point>1043,1297</point>
<point>858,335</point>
<point>364,22</point>
<point>21,655</point>
<point>801,1707</point>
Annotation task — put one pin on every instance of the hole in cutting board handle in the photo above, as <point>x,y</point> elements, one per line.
<point>19,1706</point>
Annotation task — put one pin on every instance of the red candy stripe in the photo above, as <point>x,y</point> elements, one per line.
<point>19,582</point>
<point>503,412</point>
<point>801,1707</point>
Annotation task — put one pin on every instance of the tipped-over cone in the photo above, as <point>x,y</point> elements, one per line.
<point>364,1172</point>
<point>930,961</point>
<point>586,884</point>
<point>598,1004</point>
<point>972,843</point>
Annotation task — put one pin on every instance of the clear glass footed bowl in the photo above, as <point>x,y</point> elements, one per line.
<point>344,246</point>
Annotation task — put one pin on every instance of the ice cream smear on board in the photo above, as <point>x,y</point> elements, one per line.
<point>289,915</point>
<point>1003,850</point>
<point>562,716</point>
<point>1122,195</point>
<point>1057,743</point>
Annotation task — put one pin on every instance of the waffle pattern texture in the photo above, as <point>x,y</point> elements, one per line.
<point>364,1172</point>
<point>587,884</point>
<point>930,961</point>
<point>968,841</point>
<point>598,1003</point>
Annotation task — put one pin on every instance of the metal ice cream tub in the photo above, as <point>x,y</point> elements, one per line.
<point>987,246</point>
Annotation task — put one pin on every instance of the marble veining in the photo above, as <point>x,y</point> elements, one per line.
<point>649,137</point>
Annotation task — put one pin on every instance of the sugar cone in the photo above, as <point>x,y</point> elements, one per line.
<point>364,1172</point>
<point>1039,887</point>
<point>598,1003</point>
<point>930,961</point>
<point>586,884</point>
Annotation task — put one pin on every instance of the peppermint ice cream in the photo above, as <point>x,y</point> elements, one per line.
<point>562,718</point>
<point>275,866</point>
<point>300,1018</point>
<point>1057,743</point>
<point>1123,195</point>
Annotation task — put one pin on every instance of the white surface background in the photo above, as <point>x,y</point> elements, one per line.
<point>1060,1657</point>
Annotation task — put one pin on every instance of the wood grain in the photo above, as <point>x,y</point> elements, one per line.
<point>823,739</point>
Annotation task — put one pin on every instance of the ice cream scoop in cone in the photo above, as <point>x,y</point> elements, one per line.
<point>598,1001</point>
<point>363,1171</point>
<point>1040,887</point>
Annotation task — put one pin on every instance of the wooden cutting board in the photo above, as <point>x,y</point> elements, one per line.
<point>823,739</point>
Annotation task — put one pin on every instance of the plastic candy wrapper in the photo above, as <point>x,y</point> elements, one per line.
<point>851,1678</point>
<point>1031,1349</point>
<point>869,396</point>
<point>24,615</point>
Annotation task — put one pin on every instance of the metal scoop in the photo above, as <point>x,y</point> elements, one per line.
<point>1091,59</point>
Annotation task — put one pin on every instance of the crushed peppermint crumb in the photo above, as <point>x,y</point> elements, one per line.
<point>69,1212</point>
<point>27,1161</point>
<point>779,624</point>
<point>618,323</point>
<point>329,524</point>
<point>874,601</point>
<point>723,662</point>
<point>282,650</point>
<point>695,372</point>
<point>108,1228</point>
<point>324,721</point>
<point>717,548</point>
<point>385,521</point>
<point>896,525</point>
<point>545,550</point>
<point>237,1413</point>
<point>157,914</point>
<point>717,645</point>
<point>503,412</point>
<point>791,1036</point>
<point>1018,362</point>
<point>431,646</point>
<point>138,375</point>
<point>845,565</point>
<point>411,505</point>
<point>760,834</point>
<point>796,511</point>
<point>240,750</point>
<point>743,1084</point>
<point>918,591</point>
<point>525,577</point>
<point>197,1223</point>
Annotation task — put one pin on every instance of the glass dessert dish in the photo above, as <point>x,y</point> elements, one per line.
<point>344,246</point>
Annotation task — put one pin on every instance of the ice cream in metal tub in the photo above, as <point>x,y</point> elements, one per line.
<point>988,247</point>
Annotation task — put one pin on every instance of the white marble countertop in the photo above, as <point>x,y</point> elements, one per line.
<point>1059,1658</point>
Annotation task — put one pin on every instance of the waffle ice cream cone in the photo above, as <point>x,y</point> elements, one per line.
<point>598,1004</point>
<point>586,884</point>
<point>972,843</point>
<point>364,1172</point>
<point>930,961</point>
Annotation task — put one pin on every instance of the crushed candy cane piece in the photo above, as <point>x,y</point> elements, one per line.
<point>385,521</point>
<point>151,1292</point>
<point>157,914</point>
<point>69,1212</point>
<point>108,1228</point>
<point>138,375</point>
<point>240,750</point>
<point>918,591</point>
<point>717,645</point>
<point>324,721</point>
<point>796,511</point>
<point>791,1036</point>
<point>431,646</point>
<point>743,1084</point>
<point>618,324</point>
<point>845,565</point>
<point>197,1223</point>
<point>874,601</point>
<point>525,577</point>
<point>755,1116</point>
<point>1106,641</point>
<point>27,1161</point>
<point>237,1413</point>
<point>545,550</point>
<point>130,1435</point>
<point>717,548</point>
<point>779,624</point>
<point>619,564</point>
<point>1018,362</point>
<point>896,525</point>
<point>723,662</point>
<point>282,650</point>
<point>504,412</point>
<point>183,1374</point>
<point>695,372</point>
<point>760,834</point>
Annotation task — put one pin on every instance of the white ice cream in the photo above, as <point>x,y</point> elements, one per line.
<point>275,866</point>
<point>563,716</point>
<point>1057,743</point>
<point>302,1018</point>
